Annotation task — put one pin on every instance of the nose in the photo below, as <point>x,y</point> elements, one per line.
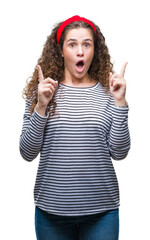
<point>80,51</point>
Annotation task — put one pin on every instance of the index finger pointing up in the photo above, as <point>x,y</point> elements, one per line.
<point>123,69</point>
<point>41,77</point>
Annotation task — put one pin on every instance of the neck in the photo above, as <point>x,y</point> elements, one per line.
<point>78,82</point>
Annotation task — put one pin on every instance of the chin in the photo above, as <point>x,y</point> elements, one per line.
<point>80,75</point>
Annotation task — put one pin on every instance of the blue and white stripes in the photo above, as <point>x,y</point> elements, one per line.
<point>75,174</point>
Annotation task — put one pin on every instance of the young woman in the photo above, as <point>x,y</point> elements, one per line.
<point>76,117</point>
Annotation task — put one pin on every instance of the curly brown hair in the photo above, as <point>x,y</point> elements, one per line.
<point>52,63</point>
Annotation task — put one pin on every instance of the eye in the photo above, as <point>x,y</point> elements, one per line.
<point>87,45</point>
<point>72,45</point>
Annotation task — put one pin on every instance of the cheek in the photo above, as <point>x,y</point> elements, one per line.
<point>67,57</point>
<point>68,62</point>
<point>91,55</point>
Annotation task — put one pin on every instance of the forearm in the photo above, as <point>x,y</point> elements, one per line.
<point>119,139</point>
<point>31,138</point>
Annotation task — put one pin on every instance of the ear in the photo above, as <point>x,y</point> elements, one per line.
<point>61,52</point>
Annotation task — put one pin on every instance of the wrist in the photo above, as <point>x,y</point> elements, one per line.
<point>120,103</point>
<point>40,109</point>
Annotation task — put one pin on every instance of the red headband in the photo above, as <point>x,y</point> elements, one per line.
<point>70,20</point>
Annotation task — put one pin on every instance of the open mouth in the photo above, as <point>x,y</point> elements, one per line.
<point>80,65</point>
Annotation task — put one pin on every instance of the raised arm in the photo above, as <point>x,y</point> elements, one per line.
<point>119,137</point>
<point>31,138</point>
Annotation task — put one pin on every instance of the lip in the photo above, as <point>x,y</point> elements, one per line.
<point>80,67</point>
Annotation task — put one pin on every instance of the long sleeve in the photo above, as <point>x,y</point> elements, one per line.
<point>31,138</point>
<point>119,137</point>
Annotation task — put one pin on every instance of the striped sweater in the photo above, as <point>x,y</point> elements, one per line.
<point>75,174</point>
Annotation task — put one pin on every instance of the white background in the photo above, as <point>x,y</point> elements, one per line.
<point>24,28</point>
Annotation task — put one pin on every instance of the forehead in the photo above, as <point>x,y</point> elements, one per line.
<point>79,34</point>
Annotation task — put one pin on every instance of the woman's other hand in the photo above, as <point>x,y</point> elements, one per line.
<point>117,85</point>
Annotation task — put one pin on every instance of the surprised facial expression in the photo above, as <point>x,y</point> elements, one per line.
<point>78,52</point>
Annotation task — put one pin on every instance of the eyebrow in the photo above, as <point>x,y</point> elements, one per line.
<point>75,40</point>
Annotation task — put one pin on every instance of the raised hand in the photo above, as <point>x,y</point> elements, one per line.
<point>117,85</point>
<point>46,89</point>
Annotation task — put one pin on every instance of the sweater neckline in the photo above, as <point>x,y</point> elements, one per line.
<point>78,88</point>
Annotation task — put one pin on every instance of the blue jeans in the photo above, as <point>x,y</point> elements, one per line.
<point>102,226</point>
